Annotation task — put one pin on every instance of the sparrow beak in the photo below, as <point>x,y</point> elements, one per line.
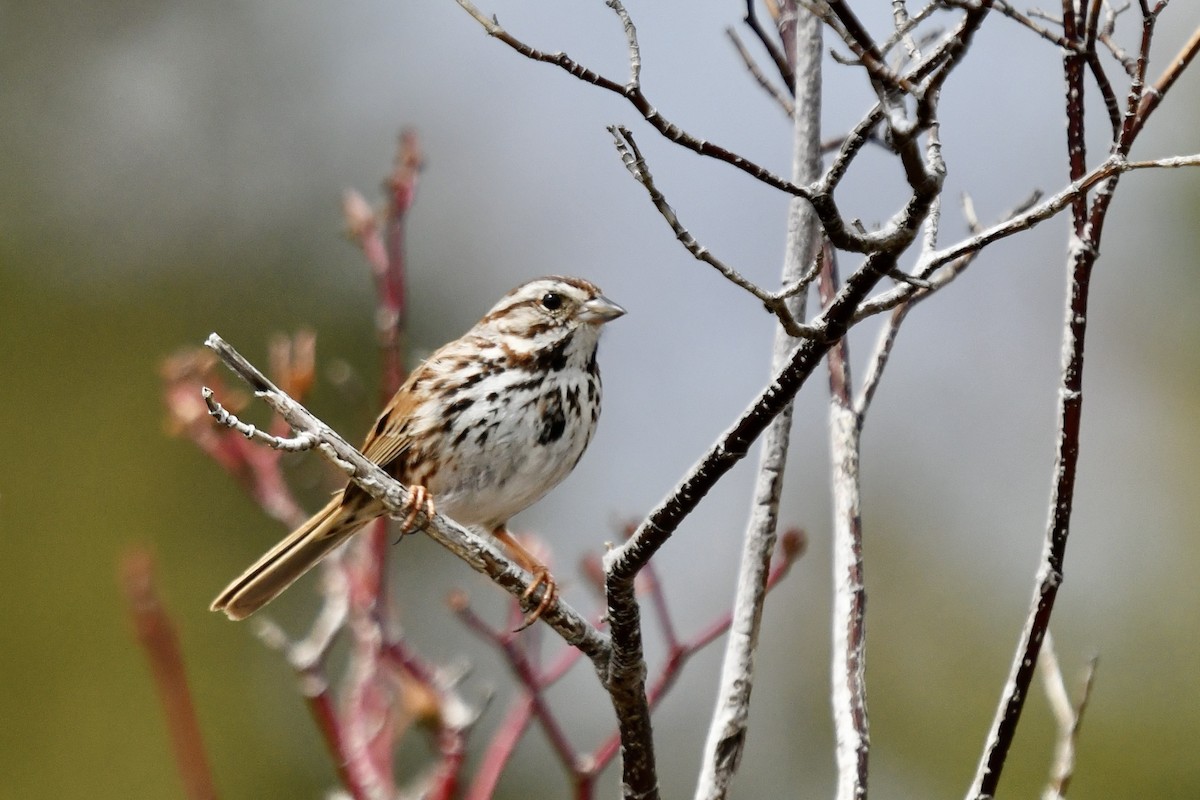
<point>600,310</point>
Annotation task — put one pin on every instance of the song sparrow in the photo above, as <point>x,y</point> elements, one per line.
<point>487,425</point>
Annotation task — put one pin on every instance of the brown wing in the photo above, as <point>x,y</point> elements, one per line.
<point>390,436</point>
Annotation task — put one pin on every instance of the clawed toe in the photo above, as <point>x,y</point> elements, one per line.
<point>420,502</point>
<point>542,578</point>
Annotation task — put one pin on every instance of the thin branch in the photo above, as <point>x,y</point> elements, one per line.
<point>635,162</point>
<point>289,444</point>
<point>842,20</point>
<point>479,553</point>
<point>631,40</point>
<point>1083,253</point>
<point>633,93</point>
<point>782,64</point>
<point>1031,217</point>
<point>730,721</point>
<point>1068,716</point>
<point>1153,97</point>
<point>159,641</point>
<point>256,469</point>
<point>782,99</point>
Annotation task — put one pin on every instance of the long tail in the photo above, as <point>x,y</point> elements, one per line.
<point>284,563</point>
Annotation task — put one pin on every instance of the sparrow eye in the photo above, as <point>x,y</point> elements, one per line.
<point>552,301</point>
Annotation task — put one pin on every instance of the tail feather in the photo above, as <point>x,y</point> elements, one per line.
<point>284,563</point>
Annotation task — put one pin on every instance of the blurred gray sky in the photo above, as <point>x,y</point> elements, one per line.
<point>140,140</point>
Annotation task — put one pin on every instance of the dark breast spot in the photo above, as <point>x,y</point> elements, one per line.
<point>572,397</point>
<point>452,412</point>
<point>553,420</point>
<point>554,357</point>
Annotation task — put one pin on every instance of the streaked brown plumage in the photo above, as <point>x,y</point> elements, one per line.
<point>485,427</point>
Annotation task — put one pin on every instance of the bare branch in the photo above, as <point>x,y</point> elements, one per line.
<point>1165,81</point>
<point>783,100</point>
<point>1068,716</point>
<point>289,444</point>
<point>786,72</point>
<point>633,93</point>
<point>632,157</point>
<point>730,721</point>
<point>1082,256</point>
<point>848,673</point>
<point>1030,217</point>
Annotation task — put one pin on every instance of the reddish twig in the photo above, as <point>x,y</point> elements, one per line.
<point>256,469</point>
<point>324,713</point>
<point>384,251</point>
<point>526,672</point>
<point>500,750</point>
<point>156,634</point>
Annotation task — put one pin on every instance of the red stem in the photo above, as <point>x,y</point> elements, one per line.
<point>324,714</point>
<point>156,634</point>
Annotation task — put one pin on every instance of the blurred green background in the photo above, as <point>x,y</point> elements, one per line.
<point>170,169</point>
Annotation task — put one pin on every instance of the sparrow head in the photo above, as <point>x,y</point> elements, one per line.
<point>551,307</point>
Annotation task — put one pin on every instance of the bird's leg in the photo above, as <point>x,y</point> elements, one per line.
<point>539,571</point>
<point>420,501</point>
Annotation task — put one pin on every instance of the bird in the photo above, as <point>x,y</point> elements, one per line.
<point>480,431</point>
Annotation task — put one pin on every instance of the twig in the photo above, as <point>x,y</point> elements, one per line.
<point>1069,717</point>
<point>786,72</point>
<point>480,554</point>
<point>929,265</point>
<point>256,469</point>
<point>1174,69</point>
<point>730,721</point>
<point>633,93</point>
<point>635,162</point>
<point>781,99</point>
<point>289,444</point>
<point>160,643</point>
<point>1083,253</point>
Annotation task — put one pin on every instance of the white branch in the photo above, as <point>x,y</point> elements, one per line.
<point>728,728</point>
<point>1067,715</point>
